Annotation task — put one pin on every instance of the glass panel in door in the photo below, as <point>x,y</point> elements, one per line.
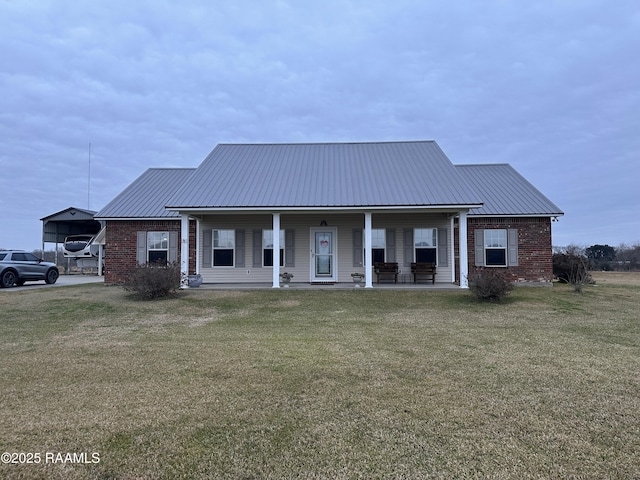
<point>324,254</point>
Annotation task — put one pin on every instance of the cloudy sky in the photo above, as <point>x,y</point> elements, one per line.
<point>550,86</point>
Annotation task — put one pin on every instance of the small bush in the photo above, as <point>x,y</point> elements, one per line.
<point>154,280</point>
<point>489,284</point>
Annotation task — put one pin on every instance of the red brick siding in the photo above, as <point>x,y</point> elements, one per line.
<point>534,246</point>
<point>121,239</point>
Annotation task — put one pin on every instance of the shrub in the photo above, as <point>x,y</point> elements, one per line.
<point>572,268</point>
<point>154,280</point>
<point>489,284</point>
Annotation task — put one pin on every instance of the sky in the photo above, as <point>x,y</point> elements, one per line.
<point>94,93</point>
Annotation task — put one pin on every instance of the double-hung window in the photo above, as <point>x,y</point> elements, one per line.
<point>157,247</point>
<point>495,247</point>
<point>425,244</point>
<point>267,248</point>
<point>378,245</point>
<point>224,242</point>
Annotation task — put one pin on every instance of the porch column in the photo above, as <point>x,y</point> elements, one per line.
<point>452,247</point>
<point>184,251</point>
<point>276,250</point>
<point>368,259</point>
<point>198,245</point>
<point>100,259</point>
<point>464,260</point>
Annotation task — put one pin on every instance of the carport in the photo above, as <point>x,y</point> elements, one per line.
<point>71,221</point>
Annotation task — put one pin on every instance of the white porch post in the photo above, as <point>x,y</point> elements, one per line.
<point>368,259</point>
<point>276,250</point>
<point>100,259</point>
<point>184,251</point>
<point>452,247</point>
<point>464,260</point>
<point>197,246</point>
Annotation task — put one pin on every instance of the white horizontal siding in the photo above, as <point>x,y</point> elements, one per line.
<point>302,223</point>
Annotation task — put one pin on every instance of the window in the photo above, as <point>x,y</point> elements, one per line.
<point>224,242</point>
<point>425,244</point>
<point>378,245</point>
<point>24,257</point>
<point>495,247</point>
<point>267,248</point>
<point>157,247</point>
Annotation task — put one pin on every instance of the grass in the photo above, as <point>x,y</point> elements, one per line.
<point>323,384</point>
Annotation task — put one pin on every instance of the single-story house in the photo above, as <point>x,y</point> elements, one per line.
<point>338,208</point>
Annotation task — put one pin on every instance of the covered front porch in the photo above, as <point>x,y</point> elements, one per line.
<point>334,286</point>
<point>323,249</point>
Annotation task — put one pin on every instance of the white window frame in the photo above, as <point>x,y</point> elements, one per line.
<point>490,243</point>
<point>433,239</point>
<point>228,243</point>
<point>265,246</point>
<point>157,244</point>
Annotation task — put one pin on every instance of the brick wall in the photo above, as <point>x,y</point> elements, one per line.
<point>121,238</point>
<point>534,246</point>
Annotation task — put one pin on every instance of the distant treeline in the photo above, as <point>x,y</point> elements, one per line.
<point>605,257</point>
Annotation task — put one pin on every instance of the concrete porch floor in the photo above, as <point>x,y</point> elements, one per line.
<point>334,286</point>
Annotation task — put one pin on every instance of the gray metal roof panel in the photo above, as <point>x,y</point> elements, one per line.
<point>71,213</point>
<point>325,175</point>
<point>147,195</point>
<point>505,192</point>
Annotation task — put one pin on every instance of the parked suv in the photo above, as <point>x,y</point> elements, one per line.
<point>17,267</point>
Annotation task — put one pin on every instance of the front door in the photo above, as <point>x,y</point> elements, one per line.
<point>323,255</point>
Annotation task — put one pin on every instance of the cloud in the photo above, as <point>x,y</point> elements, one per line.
<point>549,88</point>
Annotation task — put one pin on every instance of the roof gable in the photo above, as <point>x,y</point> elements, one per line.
<point>71,213</point>
<point>330,175</point>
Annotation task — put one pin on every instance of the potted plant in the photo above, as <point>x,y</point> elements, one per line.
<point>285,277</point>
<point>357,278</point>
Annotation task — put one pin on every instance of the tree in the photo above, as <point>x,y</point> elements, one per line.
<point>627,257</point>
<point>600,256</point>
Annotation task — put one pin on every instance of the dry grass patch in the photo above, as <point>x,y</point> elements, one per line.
<point>322,384</point>
<point>617,278</point>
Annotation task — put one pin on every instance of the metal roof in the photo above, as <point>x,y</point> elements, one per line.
<point>71,213</point>
<point>70,221</point>
<point>505,192</point>
<point>147,195</point>
<point>331,175</point>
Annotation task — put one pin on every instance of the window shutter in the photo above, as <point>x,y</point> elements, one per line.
<point>512,247</point>
<point>443,247</point>
<point>479,246</point>
<point>391,245</point>
<point>141,248</point>
<point>173,247</point>
<point>207,237</point>
<point>408,246</point>
<point>357,248</point>
<point>257,249</point>
<point>239,248</point>
<point>290,248</point>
